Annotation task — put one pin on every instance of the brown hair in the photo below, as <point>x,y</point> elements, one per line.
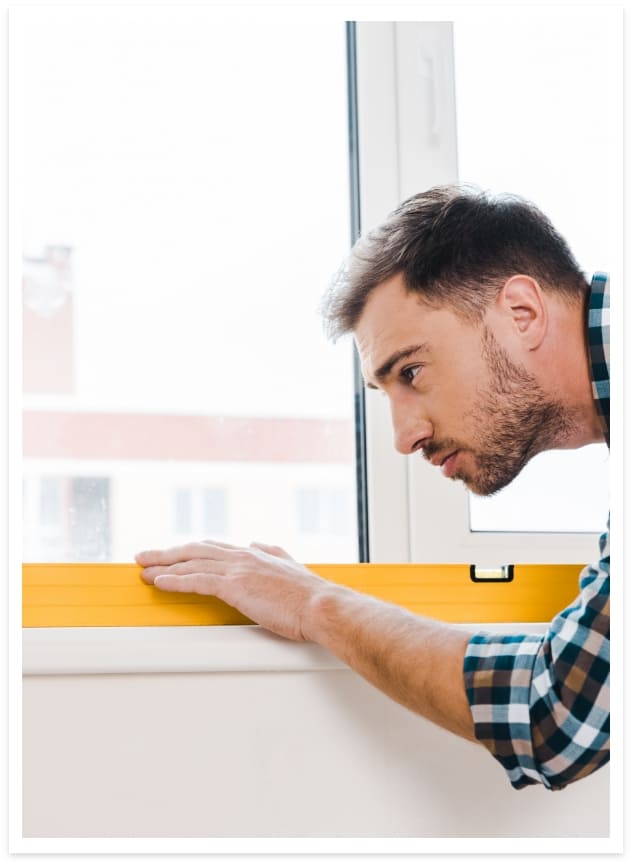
<point>454,246</point>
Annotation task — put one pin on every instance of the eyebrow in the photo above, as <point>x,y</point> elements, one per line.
<point>384,370</point>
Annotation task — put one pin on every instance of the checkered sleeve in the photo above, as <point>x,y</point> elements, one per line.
<point>540,704</point>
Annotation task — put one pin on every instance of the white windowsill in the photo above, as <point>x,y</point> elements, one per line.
<point>81,651</point>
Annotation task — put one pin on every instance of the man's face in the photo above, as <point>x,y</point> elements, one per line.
<point>454,393</point>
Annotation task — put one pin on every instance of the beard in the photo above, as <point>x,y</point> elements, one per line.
<point>519,419</point>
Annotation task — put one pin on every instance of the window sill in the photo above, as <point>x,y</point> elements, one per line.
<point>203,649</point>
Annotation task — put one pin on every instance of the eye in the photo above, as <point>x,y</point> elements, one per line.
<point>409,373</point>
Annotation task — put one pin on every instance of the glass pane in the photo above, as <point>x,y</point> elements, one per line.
<point>183,512</point>
<point>529,128</point>
<point>185,201</point>
<point>549,495</point>
<point>214,512</point>
<point>90,519</point>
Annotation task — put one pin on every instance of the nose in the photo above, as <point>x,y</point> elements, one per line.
<point>411,427</point>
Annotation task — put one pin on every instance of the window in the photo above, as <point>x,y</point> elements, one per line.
<point>531,147</point>
<point>442,101</point>
<point>186,209</point>
<point>566,476</point>
<point>67,518</point>
<point>323,511</point>
<point>200,512</point>
<point>182,216</point>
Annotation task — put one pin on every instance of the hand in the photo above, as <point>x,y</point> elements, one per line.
<point>263,582</point>
<point>416,661</point>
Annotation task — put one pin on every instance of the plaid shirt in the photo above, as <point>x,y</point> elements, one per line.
<point>540,704</point>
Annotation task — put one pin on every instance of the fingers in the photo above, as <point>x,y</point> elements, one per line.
<point>272,550</point>
<point>199,584</point>
<point>170,556</point>
<point>198,567</point>
<point>183,569</point>
<point>207,549</point>
<point>221,544</point>
<point>185,553</point>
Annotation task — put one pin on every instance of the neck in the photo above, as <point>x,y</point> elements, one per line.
<point>569,374</point>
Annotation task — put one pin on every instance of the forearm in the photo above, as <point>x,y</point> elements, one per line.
<point>416,661</point>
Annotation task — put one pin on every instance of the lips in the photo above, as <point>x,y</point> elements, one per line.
<point>448,465</point>
<point>438,459</point>
<point>445,460</point>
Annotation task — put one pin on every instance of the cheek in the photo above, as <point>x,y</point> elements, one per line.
<point>461,411</point>
<point>456,396</point>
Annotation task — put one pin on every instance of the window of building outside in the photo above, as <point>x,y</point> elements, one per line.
<point>535,129</point>
<point>199,512</point>
<point>185,201</point>
<point>323,511</point>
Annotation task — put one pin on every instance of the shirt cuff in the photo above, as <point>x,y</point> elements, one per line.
<point>498,673</point>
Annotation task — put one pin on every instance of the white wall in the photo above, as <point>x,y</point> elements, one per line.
<point>244,734</point>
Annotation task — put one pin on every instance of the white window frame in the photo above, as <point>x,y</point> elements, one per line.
<point>407,143</point>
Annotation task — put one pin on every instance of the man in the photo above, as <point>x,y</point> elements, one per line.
<point>470,313</point>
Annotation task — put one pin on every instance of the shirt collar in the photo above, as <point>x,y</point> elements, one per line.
<point>599,345</point>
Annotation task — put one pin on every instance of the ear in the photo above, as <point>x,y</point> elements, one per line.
<point>522,310</point>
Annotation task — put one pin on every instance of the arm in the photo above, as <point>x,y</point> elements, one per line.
<point>416,661</point>
<point>539,704</point>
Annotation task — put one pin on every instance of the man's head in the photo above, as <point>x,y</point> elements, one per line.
<point>467,313</point>
<point>455,247</point>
